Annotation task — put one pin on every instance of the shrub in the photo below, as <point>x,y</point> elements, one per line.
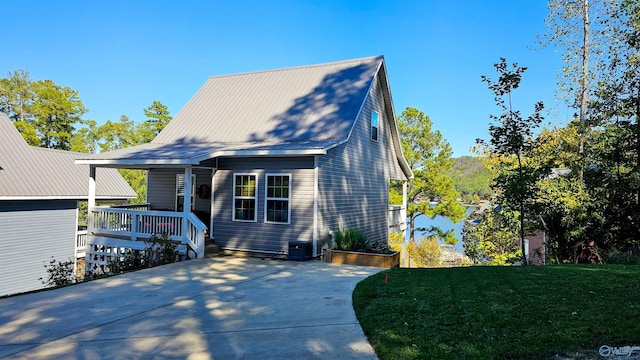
<point>395,241</point>
<point>615,256</point>
<point>60,273</point>
<point>425,254</point>
<point>351,240</point>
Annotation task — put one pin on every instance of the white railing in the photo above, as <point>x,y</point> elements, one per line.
<point>397,218</point>
<point>123,223</point>
<point>81,243</point>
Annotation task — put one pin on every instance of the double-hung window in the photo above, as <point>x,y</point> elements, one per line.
<point>244,197</point>
<point>375,126</point>
<point>278,198</point>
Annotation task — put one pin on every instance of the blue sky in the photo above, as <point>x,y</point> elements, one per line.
<point>122,55</point>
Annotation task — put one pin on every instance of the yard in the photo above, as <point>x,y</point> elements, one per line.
<point>530,312</point>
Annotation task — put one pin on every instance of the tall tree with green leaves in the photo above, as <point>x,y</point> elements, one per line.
<point>581,30</point>
<point>512,140</point>
<point>429,156</point>
<point>158,117</point>
<point>56,110</point>
<point>615,182</point>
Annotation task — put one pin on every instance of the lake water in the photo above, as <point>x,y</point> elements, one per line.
<point>443,223</point>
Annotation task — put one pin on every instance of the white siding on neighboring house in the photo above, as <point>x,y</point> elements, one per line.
<point>31,233</point>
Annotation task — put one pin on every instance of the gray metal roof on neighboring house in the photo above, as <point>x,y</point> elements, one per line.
<point>38,173</point>
<point>301,110</point>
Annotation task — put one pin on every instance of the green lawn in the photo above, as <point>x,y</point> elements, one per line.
<point>530,312</point>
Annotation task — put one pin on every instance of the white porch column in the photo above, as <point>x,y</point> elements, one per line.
<point>186,204</point>
<point>91,203</point>
<point>91,200</point>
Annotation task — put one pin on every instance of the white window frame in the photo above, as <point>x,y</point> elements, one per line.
<point>254,197</point>
<point>267,198</point>
<point>181,194</point>
<point>376,127</point>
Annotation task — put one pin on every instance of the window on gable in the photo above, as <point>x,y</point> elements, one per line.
<point>374,126</point>
<point>278,195</point>
<point>244,197</point>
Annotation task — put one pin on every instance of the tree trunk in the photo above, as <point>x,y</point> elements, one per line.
<point>584,84</point>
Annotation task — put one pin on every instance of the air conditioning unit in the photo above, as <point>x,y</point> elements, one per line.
<point>300,250</point>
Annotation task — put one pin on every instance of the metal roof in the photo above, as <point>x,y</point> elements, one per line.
<point>38,173</point>
<point>303,110</point>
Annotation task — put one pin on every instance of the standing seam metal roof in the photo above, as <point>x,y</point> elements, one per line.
<point>307,110</point>
<point>32,172</point>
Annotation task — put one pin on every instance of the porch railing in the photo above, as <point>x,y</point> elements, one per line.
<point>397,218</point>
<point>128,224</point>
<point>81,241</point>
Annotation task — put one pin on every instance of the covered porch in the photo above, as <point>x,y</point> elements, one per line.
<point>114,232</point>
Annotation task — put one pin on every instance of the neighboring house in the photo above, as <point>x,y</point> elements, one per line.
<point>271,157</point>
<point>39,193</point>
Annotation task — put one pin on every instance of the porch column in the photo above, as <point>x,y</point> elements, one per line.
<point>186,205</point>
<point>91,203</point>
<point>91,200</point>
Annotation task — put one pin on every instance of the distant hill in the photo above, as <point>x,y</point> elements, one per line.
<point>471,179</point>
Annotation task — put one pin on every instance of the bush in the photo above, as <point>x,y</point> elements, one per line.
<point>427,253</point>
<point>615,256</point>
<point>351,240</point>
<point>395,241</point>
<point>60,273</point>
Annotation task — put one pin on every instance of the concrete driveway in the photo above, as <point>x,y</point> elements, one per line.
<point>216,308</point>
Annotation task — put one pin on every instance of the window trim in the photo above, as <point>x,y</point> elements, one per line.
<point>266,198</point>
<point>375,127</point>
<point>178,194</point>
<point>254,197</point>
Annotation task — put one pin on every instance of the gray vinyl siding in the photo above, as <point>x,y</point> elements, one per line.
<point>261,236</point>
<point>31,233</point>
<point>161,189</point>
<point>354,177</point>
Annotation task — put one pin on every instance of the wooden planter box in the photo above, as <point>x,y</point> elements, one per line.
<point>361,258</point>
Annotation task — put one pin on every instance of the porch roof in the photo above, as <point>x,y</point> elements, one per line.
<point>187,153</point>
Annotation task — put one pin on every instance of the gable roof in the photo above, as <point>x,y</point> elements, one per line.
<point>303,110</point>
<point>30,173</point>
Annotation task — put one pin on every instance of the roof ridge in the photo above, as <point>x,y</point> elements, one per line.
<point>298,67</point>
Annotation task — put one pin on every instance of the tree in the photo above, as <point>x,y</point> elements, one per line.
<point>56,110</point>
<point>491,237</point>
<point>581,29</point>
<point>429,156</point>
<point>158,117</point>
<point>15,95</point>
<point>511,141</point>
<point>615,183</point>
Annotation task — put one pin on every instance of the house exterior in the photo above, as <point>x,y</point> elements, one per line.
<point>277,157</point>
<point>39,193</point>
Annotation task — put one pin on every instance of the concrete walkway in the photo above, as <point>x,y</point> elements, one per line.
<point>216,308</point>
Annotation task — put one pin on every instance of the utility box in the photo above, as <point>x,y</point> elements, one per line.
<point>300,250</point>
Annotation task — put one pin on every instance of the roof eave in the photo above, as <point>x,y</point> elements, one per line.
<point>179,162</point>
<point>67,197</point>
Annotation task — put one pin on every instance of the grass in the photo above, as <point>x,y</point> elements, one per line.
<point>500,312</point>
